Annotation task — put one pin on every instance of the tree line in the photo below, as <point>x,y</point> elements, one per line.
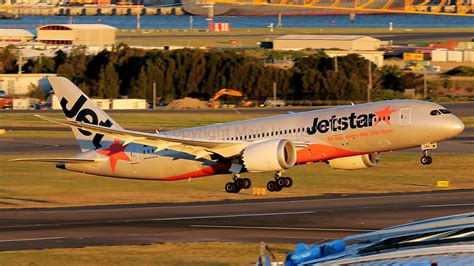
<point>131,72</point>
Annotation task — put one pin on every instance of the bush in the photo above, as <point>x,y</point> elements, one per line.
<point>461,71</point>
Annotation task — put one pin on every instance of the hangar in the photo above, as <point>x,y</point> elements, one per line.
<point>10,36</point>
<point>77,34</point>
<point>342,42</point>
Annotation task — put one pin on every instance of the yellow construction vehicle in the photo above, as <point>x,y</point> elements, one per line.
<point>214,103</point>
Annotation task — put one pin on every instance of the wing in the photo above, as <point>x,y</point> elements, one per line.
<point>197,147</point>
<point>58,160</point>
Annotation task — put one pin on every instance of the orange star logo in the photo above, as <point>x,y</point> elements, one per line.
<point>115,152</point>
<point>384,115</point>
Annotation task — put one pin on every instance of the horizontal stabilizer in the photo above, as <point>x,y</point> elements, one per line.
<point>58,160</point>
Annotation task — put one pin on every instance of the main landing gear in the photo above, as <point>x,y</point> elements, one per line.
<point>426,159</point>
<point>238,184</point>
<point>279,183</point>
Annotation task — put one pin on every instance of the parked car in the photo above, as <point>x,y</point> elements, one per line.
<point>274,103</point>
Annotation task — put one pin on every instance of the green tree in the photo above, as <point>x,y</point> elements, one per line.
<point>109,82</point>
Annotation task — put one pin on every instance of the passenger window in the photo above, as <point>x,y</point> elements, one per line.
<point>435,112</point>
<point>444,111</point>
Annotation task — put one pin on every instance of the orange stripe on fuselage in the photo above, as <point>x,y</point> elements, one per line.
<point>211,170</point>
<point>320,152</point>
<point>312,153</point>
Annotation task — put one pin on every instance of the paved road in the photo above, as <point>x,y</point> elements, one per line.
<point>308,220</point>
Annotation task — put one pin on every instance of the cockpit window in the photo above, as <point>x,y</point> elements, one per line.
<point>444,111</point>
<point>435,112</point>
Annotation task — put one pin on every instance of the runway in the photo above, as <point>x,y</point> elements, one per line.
<point>308,220</point>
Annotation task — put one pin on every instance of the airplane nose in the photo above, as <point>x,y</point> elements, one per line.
<point>457,126</point>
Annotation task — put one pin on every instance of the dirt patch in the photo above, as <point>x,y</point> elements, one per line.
<point>188,103</point>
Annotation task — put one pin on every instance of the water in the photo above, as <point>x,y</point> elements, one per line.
<point>182,22</point>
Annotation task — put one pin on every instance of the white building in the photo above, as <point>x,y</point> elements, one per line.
<point>342,42</point>
<point>12,36</point>
<point>21,84</point>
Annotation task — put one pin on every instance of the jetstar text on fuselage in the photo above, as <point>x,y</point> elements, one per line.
<point>352,121</point>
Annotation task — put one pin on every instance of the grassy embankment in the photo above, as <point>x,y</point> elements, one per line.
<point>211,253</point>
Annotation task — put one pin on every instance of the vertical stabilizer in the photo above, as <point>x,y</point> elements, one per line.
<point>78,107</point>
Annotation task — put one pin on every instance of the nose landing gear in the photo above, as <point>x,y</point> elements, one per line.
<point>426,159</point>
<point>238,184</point>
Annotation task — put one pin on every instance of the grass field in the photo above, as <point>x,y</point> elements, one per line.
<point>211,253</point>
<point>26,184</point>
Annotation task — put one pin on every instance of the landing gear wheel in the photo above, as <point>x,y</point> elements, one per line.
<point>247,183</point>
<point>240,183</point>
<point>288,182</point>
<point>278,188</point>
<point>426,160</point>
<point>237,189</point>
<point>230,187</point>
<point>281,182</point>
<point>272,186</point>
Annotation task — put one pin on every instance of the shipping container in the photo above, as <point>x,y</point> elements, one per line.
<point>455,56</point>
<point>466,45</point>
<point>413,57</point>
<point>21,104</point>
<point>469,56</point>
<point>124,104</point>
<point>448,45</point>
<point>439,55</point>
<point>102,103</point>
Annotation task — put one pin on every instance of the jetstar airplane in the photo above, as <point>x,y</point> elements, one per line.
<point>348,137</point>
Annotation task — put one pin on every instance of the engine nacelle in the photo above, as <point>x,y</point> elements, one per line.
<point>355,162</point>
<point>270,155</point>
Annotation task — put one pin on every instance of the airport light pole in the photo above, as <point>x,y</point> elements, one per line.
<point>154,95</point>
<point>210,16</point>
<point>274,91</point>
<point>369,84</point>
<point>425,84</point>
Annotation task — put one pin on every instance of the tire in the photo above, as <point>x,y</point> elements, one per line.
<point>271,186</point>
<point>430,160</point>
<point>230,187</point>
<point>278,188</point>
<point>237,189</point>
<point>281,181</point>
<point>288,182</point>
<point>239,183</point>
<point>426,160</point>
<point>247,183</point>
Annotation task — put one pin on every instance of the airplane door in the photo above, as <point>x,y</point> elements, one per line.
<point>405,117</point>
